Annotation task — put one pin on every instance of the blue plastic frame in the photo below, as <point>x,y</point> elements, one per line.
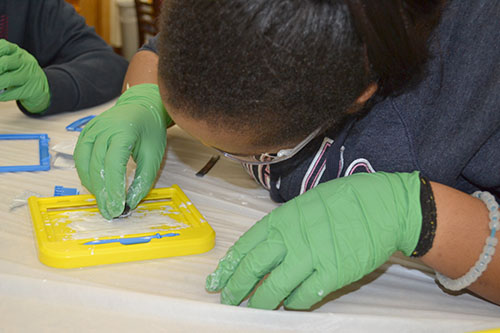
<point>43,148</point>
<point>77,125</point>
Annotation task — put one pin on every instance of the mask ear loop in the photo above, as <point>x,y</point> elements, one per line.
<point>280,156</point>
<point>292,151</point>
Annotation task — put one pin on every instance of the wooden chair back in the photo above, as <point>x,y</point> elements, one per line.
<point>147,15</point>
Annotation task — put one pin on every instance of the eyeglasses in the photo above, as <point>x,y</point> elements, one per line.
<point>269,158</point>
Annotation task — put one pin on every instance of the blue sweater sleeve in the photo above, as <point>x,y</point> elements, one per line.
<point>82,70</point>
<point>151,45</point>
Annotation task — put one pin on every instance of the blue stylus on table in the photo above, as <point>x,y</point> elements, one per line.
<point>77,125</point>
<point>131,240</point>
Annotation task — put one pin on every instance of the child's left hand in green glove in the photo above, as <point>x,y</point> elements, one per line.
<point>322,240</point>
<point>22,78</point>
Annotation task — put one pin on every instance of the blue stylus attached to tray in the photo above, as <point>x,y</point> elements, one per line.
<point>131,240</point>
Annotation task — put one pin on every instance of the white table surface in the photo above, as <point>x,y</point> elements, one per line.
<point>168,295</point>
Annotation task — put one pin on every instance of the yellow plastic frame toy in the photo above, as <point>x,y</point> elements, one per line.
<point>56,248</point>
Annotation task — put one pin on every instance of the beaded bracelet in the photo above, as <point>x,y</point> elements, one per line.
<point>488,250</point>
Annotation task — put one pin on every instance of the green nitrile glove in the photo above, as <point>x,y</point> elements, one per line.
<point>135,126</point>
<point>322,240</point>
<point>22,78</point>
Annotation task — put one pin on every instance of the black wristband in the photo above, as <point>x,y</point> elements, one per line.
<point>429,222</point>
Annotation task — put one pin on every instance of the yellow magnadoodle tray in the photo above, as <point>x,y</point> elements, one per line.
<point>70,232</point>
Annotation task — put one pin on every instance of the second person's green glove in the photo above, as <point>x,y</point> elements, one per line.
<point>135,126</point>
<point>22,78</point>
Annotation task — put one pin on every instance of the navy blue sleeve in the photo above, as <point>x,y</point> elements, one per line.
<point>82,70</point>
<point>452,117</point>
<point>150,45</point>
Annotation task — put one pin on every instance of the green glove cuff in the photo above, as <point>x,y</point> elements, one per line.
<point>22,78</point>
<point>38,98</point>
<point>39,107</point>
<point>147,94</point>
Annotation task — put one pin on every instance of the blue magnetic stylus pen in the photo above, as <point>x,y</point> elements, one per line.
<point>131,240</point>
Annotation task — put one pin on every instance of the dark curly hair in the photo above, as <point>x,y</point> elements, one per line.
<point>281,68</point>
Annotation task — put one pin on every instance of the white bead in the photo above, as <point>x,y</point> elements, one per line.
<point>486,258</point>
<point>492,241</point>
<point>488,249</point>
<point>468,280</point>
<point>460,284</point>
<point>475,274</point>
<point>487,196</point>
<point>481,265</point>
<point>454,285</point>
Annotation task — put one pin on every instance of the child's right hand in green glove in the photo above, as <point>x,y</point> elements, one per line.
<point>135,126</point>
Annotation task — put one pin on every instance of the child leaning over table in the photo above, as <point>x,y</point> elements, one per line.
<point>309,92</point>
